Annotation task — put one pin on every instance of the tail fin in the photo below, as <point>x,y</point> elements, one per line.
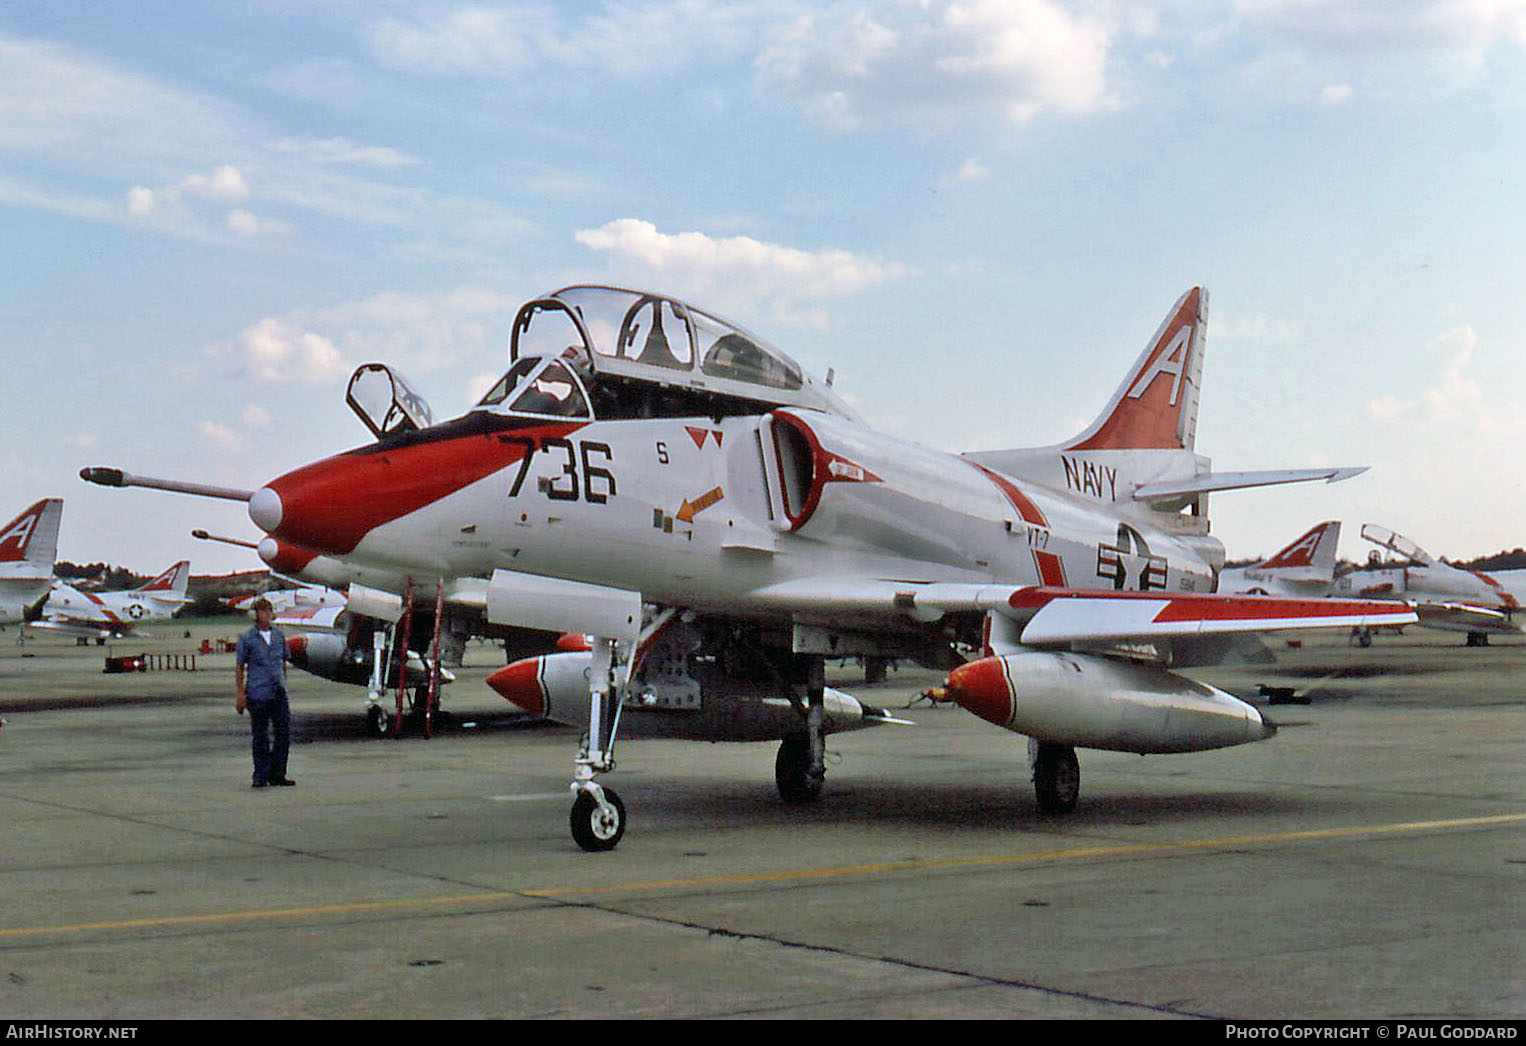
<point>1313,553</point>
<point>32,537</point>
<point>173,582</point>
<point>1148,413</point>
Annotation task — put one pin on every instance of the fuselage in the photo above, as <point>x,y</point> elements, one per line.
<point>108,611</point>
<point>706,513</point>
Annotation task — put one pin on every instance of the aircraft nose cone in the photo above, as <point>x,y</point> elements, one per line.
<point>296,646</point>
<point>265,509</point>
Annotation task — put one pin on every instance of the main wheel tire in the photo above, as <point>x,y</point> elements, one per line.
<point>1056,778</point>
<point>377,722</point>
<point>792,770</point>
<point>598,828</point>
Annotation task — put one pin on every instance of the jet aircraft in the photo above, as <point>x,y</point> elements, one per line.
<point>643,453</point>
<point>1446,597</point>
<point>102,615</point>
<point>28,546</point>
<point>1305,568</point>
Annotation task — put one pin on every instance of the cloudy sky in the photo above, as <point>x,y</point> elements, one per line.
<point>975,211</point>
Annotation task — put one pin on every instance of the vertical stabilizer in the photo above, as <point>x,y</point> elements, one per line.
<point>1312,555</point>
<point>1156,406</point>
<point>32,537</point>
<point>173,582</point>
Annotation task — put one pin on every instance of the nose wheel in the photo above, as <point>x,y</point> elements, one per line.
<point>598,821</point>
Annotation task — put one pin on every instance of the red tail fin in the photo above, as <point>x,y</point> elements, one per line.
<point>171,580</point>
<point>1305,551</point>
<point>33,535</point>
<point>1156,406</point>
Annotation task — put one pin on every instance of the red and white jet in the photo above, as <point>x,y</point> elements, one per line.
<point>721,523</point>
<point>1305,568</point>
<point>1446,597</point>
<point>102,615</point>
<point>28,546</point>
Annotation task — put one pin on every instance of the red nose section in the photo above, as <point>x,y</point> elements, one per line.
<point>573,643</point>
<point>519,684</point>
<point>330,505</point>
<point>296,646</point>
<point>981,687</point>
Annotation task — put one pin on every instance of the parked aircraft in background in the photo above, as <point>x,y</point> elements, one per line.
<point>643,451</point>
<point>28,547</point>
<point>102,615</point>
<point>1446,597</point>
<point>1305,568</point>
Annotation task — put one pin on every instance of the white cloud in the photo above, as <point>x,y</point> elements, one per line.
<point>1455,409</point>
<point>256,417</point>
<point>247,224</point>
<point>738,272</point>
<point>1335,94</point>
<point>969,173</point>
<point>219,435</point>
<point>416,333</point>
<point>625,40</point>
<point>925,62</point>
<point>344,151</point>
<point>278,350</point>
<point>140,201</point>
<point>226,185</point>
<point>1456,396</point>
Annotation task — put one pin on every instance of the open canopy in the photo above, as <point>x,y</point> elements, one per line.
<point>646,355</point>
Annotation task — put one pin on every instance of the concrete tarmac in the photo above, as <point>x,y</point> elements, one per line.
<point>1367,862</point>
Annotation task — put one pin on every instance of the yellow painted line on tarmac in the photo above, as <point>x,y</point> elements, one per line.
<point>1080,853</point>
<point>793,875</point>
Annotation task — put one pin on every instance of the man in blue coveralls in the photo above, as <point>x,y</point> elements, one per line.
<point>260,674</point>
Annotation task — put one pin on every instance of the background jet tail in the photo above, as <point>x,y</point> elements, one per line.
<point>172,583</point>
<point>32,537</point>
<point>1311,556</point>
<point>1156,406</point>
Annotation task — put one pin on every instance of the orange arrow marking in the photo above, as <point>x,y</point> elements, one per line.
<point>693,508</point>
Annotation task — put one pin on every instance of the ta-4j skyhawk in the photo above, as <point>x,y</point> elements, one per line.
<point>721,523</point>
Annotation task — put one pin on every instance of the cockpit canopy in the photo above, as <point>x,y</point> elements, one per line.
<point>644,355</point>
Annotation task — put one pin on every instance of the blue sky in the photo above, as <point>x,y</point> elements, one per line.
<point>976,212</point>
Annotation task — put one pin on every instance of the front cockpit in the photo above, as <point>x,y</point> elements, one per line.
<point>604,352</point>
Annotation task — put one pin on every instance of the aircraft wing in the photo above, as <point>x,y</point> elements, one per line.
<point>310,616</point>
<point>1061,615</point>
<point>1464,617</point>
<point>1067,615</point>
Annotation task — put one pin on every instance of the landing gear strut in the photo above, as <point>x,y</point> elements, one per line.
<point>1056,776</point>
<point>800,766</point>
<point>598,815</point>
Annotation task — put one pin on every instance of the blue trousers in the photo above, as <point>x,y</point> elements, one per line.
<point>270,723</point>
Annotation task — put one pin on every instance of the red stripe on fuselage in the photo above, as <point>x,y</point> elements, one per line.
<point>330,505</point>
<point>1050,566</point>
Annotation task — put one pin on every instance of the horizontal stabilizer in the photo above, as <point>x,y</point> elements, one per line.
<point>1211,481</point>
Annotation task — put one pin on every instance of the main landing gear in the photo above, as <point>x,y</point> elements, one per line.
<point>1056,776</point>
<point>800,766</point>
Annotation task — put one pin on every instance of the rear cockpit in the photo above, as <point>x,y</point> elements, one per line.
<point>603,352</point>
